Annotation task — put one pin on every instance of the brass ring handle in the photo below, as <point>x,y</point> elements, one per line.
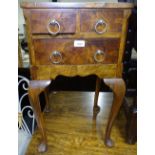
<point>53,22</point>
<point>56,54</point>
<point>101,22</point>
<point>99,52</point>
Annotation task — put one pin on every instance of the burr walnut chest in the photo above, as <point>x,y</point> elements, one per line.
<point>76,39</point>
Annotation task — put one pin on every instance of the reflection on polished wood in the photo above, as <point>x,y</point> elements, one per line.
<point>73,129</point>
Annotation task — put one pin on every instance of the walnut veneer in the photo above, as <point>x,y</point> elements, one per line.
<point>77,39</point>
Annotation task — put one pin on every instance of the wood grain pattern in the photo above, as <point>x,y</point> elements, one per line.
<point>112,17</point>
<point>119,70</point>
<point>41,18</point>
<point>84,35</point>
<point>127,13</point>
<point>96,108</point>
<point>51,72</point>
<point>47,5</point>
<point>118,87</point>
<point>29,36</point>
<point>35,88</point>
<point>75,55</point>
<point>80,35</point>
<point>73,129</point>
<point>46,94</point>
<point>77,22</point>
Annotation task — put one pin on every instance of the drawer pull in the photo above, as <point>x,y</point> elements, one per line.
<point>53,22</point>
<point>56,57</point>
<point>99,56</point>
<point>102,23</point>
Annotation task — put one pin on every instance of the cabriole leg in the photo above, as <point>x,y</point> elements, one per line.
<point>46,94</point>
<point>35,88</point>
<point>118,87</point>
<point>96,108</point>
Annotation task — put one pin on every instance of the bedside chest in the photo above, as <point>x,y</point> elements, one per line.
<point>73,39</point>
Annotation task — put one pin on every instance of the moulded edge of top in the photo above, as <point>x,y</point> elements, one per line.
<point>48,5</point>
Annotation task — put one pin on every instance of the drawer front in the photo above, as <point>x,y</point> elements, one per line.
<point>63,51</point>
<point>53,21</point>
<point>101,20</point>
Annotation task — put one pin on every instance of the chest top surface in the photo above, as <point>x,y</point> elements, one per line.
<point>76,38</point>
<point>45,5</point>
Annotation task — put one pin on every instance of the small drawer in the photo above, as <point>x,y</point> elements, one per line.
<point>53,21</point>
<point>101,21</point>
<point>63,51</point>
